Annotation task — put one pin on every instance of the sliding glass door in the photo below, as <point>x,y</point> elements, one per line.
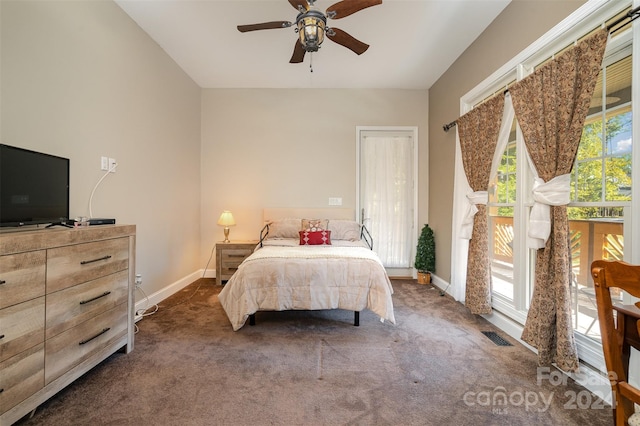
<point>599,213</point>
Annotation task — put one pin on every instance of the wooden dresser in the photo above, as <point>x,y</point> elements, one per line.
<point>66,304</point>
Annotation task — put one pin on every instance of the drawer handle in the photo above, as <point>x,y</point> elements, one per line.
<point>84,262</point>
<point>84,302</point>
<point>2,281</point>
<point>104,330</point>
<point>236,255</point>
<point>1,336</point>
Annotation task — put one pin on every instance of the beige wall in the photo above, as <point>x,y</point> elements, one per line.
<point>519,25</point>
<point>292,148</point>
<point>82,80</point>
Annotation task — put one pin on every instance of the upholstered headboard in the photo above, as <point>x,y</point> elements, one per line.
<point>271,214</point>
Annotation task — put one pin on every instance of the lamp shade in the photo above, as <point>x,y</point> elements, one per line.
<point>226,219</point>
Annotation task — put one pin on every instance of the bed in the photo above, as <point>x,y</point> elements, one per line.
<point>308,260</point>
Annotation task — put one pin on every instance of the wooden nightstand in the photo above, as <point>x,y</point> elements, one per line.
<point>229,256</point>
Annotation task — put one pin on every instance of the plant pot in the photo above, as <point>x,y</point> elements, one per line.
<point>424,278</point>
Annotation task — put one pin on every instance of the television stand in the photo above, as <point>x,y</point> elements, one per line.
<point>52,224</point>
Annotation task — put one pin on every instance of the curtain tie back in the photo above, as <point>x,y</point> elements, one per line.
<point>478,197</point>
<point>556,192</point>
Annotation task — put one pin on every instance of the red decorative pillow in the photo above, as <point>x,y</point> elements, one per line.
<point>315,238</point>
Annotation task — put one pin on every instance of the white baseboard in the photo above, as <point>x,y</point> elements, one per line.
<point>440,283</point>
<point>176,286</point>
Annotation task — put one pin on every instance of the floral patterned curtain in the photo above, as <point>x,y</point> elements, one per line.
<point>478,132</point>
<point>551,106</point>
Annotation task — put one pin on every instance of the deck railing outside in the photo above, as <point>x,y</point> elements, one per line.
<point>590,240</point>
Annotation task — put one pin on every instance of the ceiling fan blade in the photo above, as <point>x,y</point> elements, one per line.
<point>347,41</point>
<point>297,4</point>
<point>347,7</point>
<point>264,26</point>
<point>298,53</point>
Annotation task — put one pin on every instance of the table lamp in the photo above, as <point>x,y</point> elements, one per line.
<point>226,220</point>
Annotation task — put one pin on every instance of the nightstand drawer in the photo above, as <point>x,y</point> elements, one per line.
<point>73,346</point>
<point>74,305</point>
<point>22,326</point>
<point>22,277</point>
<point>230,256</point>
<point>71,265</point>
<point>22,376</point>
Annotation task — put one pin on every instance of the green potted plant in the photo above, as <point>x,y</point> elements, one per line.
<point>425,255</point>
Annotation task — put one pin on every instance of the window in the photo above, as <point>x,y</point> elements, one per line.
<point>601,186</point>
<point>502,198</point>
<point>603,196</point>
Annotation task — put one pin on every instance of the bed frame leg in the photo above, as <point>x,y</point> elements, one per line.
<point>252,319</point>
<point>356,318</point>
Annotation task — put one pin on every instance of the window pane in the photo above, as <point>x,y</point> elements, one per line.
<point>502,188</point>
<point>591,141</point>
<point>595,233</point>
<point>589,184</point>
<point>618,130</point>
<point>618,178</point>
<point>501,251</point>
<point>618,83</point>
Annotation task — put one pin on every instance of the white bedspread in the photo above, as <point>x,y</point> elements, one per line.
<point>293,277</point>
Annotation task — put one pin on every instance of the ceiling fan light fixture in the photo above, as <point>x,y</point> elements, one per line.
<point>311,29</point>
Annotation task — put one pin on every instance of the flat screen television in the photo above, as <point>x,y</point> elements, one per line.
<point>34,187</point>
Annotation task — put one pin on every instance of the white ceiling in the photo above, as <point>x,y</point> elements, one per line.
<point>413,42</point>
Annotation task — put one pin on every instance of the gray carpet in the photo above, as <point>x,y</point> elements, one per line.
<point>435,367</point>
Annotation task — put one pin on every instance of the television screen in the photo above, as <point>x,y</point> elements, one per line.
<point>34,187</point>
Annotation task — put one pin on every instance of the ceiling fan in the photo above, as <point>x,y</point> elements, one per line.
<point>311,26</point>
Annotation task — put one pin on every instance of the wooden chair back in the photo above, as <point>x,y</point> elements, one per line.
<point>620,335</point>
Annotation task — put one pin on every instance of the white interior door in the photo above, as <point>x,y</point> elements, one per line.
<point>387,193</point>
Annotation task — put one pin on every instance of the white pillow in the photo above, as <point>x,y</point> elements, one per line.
<point>284,228</point>
<point>344,230</point>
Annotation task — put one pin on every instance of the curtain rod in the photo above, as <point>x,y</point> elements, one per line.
<point>448,127</point>
<point>454,123</point>
<point>632,15</point>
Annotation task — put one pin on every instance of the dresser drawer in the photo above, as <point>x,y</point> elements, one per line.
<point>22,375</point>
<point>74,305</point>
<point>22,277</point>
<point>22,326</point>
<point>71,265</point>
<point>71,347</point>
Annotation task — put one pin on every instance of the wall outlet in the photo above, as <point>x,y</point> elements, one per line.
<point>112,164</point>
<point>335,201</point>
